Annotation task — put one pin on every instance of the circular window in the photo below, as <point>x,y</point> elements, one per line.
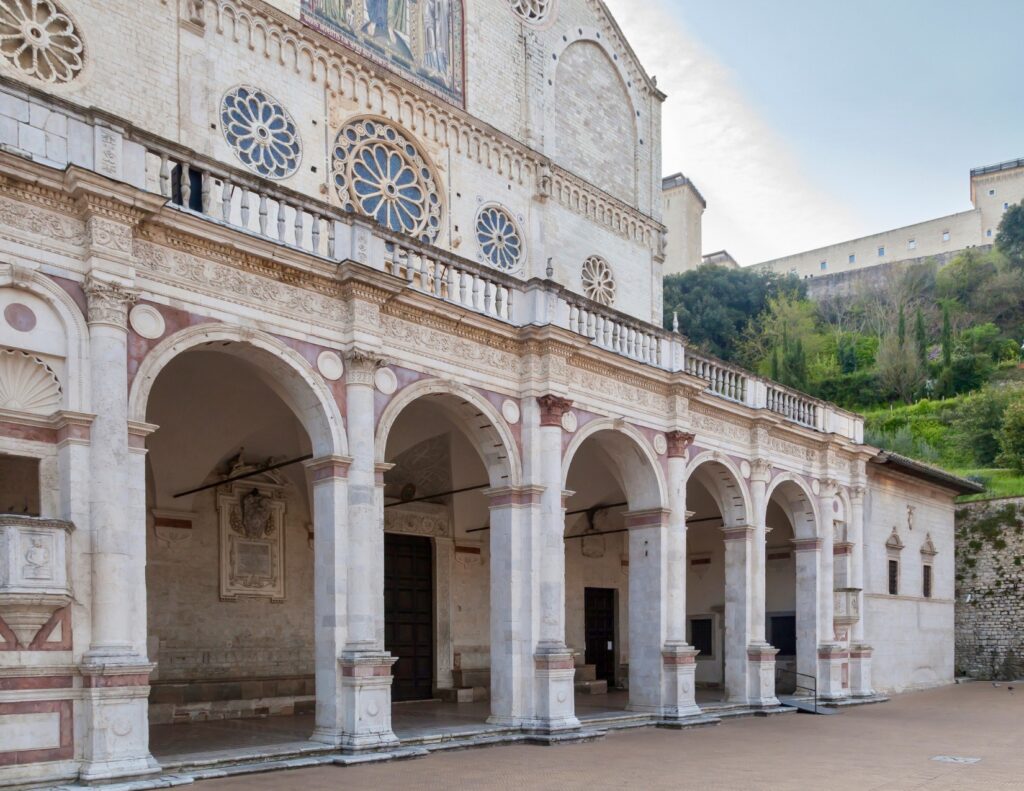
<point>598,281</point>
<point>260,132</point>
<point>378,172</point>
<point>532,10</point>
<point>40,41</point>
<point>501,243</point>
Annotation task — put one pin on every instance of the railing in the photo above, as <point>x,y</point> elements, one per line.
<point>731,383</point>
<point>810,687</point>
<point>235,198</point>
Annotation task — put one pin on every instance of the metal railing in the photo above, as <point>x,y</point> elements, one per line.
<point>810,688</point>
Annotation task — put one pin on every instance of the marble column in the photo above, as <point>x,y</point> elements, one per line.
<point>831,656</point>
<point>807,554</point>
<point>738,540</point>
<point>365,664</point>
<point>328,478</point>
<point>860,651</point>
<point>554,666</point>
<point>115,669</point>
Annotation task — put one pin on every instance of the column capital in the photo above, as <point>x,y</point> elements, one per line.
<point>760,470</point>
<point>327,468</point>
<point>650,517</point>
<point>806,544</point>
<point>519,496</point>
<point>829,488</point>
<point>678,443</point>
<point>857,493</point>
<point>361,365</point>
<point>552,408</point>
<point>108,301</point>
<point>737,532</point>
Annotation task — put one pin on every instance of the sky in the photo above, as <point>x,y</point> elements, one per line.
<point>809,122</point>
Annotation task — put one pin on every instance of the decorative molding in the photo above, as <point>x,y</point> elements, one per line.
<point>928,547</point>
<point>361,367</point>
<point>678,443</point>
<point>27,384</point>
<point>108,301</point>
<point>552,409</point>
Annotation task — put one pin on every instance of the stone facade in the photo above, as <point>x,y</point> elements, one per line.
<point>990,589</point>
<point>309,405</point>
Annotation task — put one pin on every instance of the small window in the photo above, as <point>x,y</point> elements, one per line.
<point>912,244</point>
<point>702,637</point>
<point>853,258</point>
<point>894,577</point>
<point>991,192</point>
<point>945,236</point>
<point>782,633</point>
<point>823,266</point>
<point>881,251</point>
<point>19,485</point>
<point>927,582</point>
<point>988,232</point>
<point>1006,206</point>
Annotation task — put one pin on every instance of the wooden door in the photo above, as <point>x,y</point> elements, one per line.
<point>409,614</point>
<point>599,628</point>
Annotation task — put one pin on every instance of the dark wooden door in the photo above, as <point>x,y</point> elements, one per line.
<point>409,614</point>
<point>599,627</point>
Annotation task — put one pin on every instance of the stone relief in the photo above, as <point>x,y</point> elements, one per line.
<point>27,384</point>
<point>443,346</point>
<point>39,222</point>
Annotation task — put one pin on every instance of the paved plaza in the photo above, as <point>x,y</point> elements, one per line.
<point>891,746</point>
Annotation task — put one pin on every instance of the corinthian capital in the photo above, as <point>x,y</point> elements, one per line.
<point>678,442</point>
<point>552,408</point>
<point>361,365</point>
<point>108,302</point>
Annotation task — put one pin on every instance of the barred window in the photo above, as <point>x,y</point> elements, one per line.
<point>894,577</point>
<point>927,582</point>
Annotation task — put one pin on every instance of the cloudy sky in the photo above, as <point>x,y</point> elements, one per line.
<point>806,122</point>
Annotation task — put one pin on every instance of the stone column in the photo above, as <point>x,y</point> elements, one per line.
<point>444,563</point>
<point>115,669</point>
<point>737,610</point>
<point>860,652</point>
<point>365,665</point>
<point>678,681</point>
<point>760,475</point>
<point>807,554</point>
<point>328,477</point>
<point>512,634</point>
<point>555,672</point>
<point>648,582</point>
<point>831,656</point>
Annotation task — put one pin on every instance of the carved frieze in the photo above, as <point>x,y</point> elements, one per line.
<point>48,225</point>
<point>448,347</point>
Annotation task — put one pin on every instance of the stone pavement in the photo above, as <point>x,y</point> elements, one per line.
<point>888,747</point>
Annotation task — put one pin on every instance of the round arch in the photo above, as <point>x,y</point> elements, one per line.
<point>643,483</point>
<point>725,483</point>
<point>792,493</point>
<point>494,441</point>
<point>287,373</point>
<point>76,388</point>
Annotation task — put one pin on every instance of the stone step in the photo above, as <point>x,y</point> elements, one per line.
<point>592,687</point>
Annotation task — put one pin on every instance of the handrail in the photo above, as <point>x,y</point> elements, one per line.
<point>813,688</point>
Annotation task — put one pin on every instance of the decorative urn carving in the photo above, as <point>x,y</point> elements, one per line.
<point>33,572</point>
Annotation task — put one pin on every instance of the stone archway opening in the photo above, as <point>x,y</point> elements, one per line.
<point>230,561</point>
<point>444,461</point>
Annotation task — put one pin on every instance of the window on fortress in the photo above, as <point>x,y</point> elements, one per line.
<point>945,236</point>
<point>988,232</point>
<point>19,485</point>
<point>894,577</point>
<point>823,266</point>
<point>912,244</point>
<point>881,251</point>
<point>702,637</point>
<point>991,192</point>
<point>853,258</point>
<point>927,582</point>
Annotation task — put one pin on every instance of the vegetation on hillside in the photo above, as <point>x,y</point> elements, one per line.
<point>932,356</point>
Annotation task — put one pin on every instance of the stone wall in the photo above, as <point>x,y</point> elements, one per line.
<point>990,588</point>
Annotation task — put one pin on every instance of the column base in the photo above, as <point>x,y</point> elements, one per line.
<point>833,672</point>
<point>115,736</point>
<point>860,671</point>
<point>554,703</point>
<point>761,675</point>
<point>678,685</point>
<point>366,703</point>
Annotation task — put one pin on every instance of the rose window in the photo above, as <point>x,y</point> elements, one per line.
<point>532,10</point>
<point>598,281</point>
<point>378,172</point>
<point>260,132</point>
<point>40,40</point>
<point>501,244</point>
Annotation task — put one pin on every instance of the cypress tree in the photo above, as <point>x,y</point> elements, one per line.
<point>902,327</point>
<point>921,337</point>
<point>947,338</point>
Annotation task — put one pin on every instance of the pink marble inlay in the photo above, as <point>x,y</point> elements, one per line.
<point>20,317</point>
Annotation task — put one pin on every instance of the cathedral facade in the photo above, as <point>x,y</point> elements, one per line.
<point>332,376</point>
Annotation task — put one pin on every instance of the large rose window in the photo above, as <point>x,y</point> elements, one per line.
<point>501,243</point>
<point>260,132</point>
<point>532,10</point>
<point>40,40</point>
<point>378,172</point>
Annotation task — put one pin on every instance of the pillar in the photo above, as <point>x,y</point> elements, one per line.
<point>807,554</point>
<point>860,652</point>
<point>738,541</point>
<point>648,607</point>
<point>115,669</point>
<point>831,656</point>
<point>328,479</point>
<point>365,664</point>
<point>678,671</point>
<point>554,668</point>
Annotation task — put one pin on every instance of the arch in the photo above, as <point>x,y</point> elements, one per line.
<point>799,503</point>
<point>726,485</point>
<point>643,484</point>
<point>306,394</point>
<point>494,441</point>
<point>76,388</point>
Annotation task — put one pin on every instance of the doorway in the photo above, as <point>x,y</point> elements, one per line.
<point>599,629</point>
<point>409,614</point>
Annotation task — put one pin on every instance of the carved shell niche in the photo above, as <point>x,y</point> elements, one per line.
<point>27,384</point>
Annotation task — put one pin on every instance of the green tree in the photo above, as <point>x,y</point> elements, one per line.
<point>716,303</point>
<point>947,337</point>
<point>920,337</point>
<point>1011,437</point>
<point>899,369</point>
<point>1010,236</point>
<point>901,326</point>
